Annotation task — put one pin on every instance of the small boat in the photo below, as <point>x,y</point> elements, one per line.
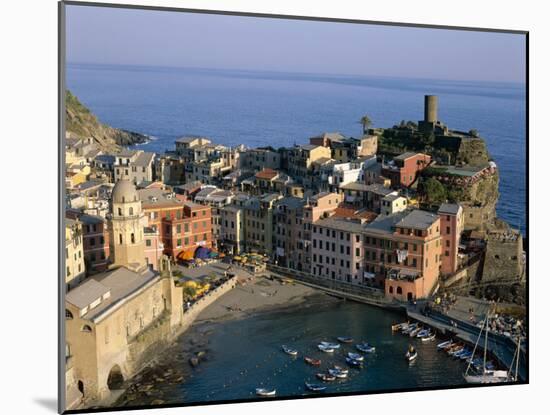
<point>429,338</point>
<point>399,326</point>
<point>330,345</point>
<point>455,349</point>
<point>411,354</point>
<point>313,362</point>
<point>356,356</point>
<point>290,351</point>
<point>410,327</point>
<point>441,346</point>
<point>353,362</point>
<point>345,339</point>
<point>496,376</point>
<point>266,392</point>
<point>340,368</point>
<point>315,387</point>
<point>423,333</point>
<point>338,373</point>
<point>325,377</point>
<point>414,332</point>
<point>325,349</point>
<point>365,347</point>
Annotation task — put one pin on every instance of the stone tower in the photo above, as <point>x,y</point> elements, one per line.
<point>128,243</point>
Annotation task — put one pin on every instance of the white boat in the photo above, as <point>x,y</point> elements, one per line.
<point>429,338</point>
<point>330,345</point>
<point>353,362</point>
<point>290,351</point>
<point>443,345</point>
<point>423,333</point>
<point>266,392</point>
<point>414,332</point>
<point>495,376</point>
<point>356,356</point>
<point>365,347</point>
<point>411,354</point>
<point>340,368</point>
<point>338,373</point>
<point>325,349</point>
<point>315,387</point>
<point>345,339</point>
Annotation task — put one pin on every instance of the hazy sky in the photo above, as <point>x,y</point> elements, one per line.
<point>144,37</point>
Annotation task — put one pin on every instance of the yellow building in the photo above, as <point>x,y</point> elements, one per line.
<point>127,225</point>
<point>75,270</point>
<point>115,320</point>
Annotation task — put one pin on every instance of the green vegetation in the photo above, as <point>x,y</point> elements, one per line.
<point>434,192</point>
<point>366,123</point>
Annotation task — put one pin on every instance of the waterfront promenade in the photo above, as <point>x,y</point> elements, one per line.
<point>502,348</point>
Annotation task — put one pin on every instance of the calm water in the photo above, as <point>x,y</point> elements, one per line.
<point>246,354</point>
<point>278,109</point>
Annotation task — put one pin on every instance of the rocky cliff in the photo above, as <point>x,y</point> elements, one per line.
<point>80,122</point>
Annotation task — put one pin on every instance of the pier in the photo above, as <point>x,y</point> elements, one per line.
<point>502,348</point>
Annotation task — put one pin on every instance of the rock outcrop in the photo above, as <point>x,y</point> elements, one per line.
<point>80,122</point>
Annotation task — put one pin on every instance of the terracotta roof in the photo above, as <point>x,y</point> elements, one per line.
<point>267,174</point>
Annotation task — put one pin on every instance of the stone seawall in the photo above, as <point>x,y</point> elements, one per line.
<point>145,347</point>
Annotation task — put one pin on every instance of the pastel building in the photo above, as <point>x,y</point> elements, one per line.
<point>75,270</point>
<point>452,226</point>
<point>403,253</point>
<point>337,249</point>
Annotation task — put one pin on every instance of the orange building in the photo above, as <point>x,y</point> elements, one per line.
<point>403,253</point>
<point>183,226</point>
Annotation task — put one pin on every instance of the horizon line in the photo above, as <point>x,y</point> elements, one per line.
<point>144,65</point>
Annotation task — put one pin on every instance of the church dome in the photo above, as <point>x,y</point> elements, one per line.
<point>124,192</point>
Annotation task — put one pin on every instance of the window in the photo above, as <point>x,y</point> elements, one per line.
<point>178,229</point>
<point>448,230</point>
<point>178,243</point>
<point>147,242</point>
<point>131,211</point>
<point>447,243</point>
<point>86,329</point>
<point>132,238</point>
<point>391,290</point>
<point>357,252</point>
<point>119,211</point>
<point>120,239</point>
<point>399,290</point>
<point>68,315</point>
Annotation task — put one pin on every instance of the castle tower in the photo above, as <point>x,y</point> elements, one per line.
<point>430,108</point>
<point>128,242</point>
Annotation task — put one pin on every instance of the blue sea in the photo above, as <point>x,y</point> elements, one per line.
<point>281,109</point>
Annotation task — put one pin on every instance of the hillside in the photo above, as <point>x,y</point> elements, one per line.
<point>80,122</point>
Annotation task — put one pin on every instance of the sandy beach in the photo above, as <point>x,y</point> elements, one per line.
<point>256,295</point>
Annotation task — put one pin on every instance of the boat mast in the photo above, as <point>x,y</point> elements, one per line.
<point>517,360</point>
<point>475,346</point>
<point>485,348</point>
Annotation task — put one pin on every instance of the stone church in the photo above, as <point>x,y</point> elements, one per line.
<point>114,320</point>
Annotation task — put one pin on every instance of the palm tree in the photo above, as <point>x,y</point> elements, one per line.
<point>366,122</point>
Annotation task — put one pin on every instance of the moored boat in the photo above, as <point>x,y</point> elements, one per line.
<point>325,349</point>
<point>415,331</point>
<point>353,362</point>
<point>344,339</point>
<point>428,338</point>
<point>443,345</point>
<point>266,392</point>
<point>340,368</point>
<point>313,362</point>
<point>411,354</point>
<point>290,351</point>
<point>315,387</point>
<point>365,347</point>
<point>330,345</point>
<point>356,356</point>
<point>338,373</point>
<point>399,326</point>
<point>325,377</point>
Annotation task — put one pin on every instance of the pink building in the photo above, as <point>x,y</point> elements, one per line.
<point>337,249</point>
<point>452,226</point>
<point>153,246</point>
